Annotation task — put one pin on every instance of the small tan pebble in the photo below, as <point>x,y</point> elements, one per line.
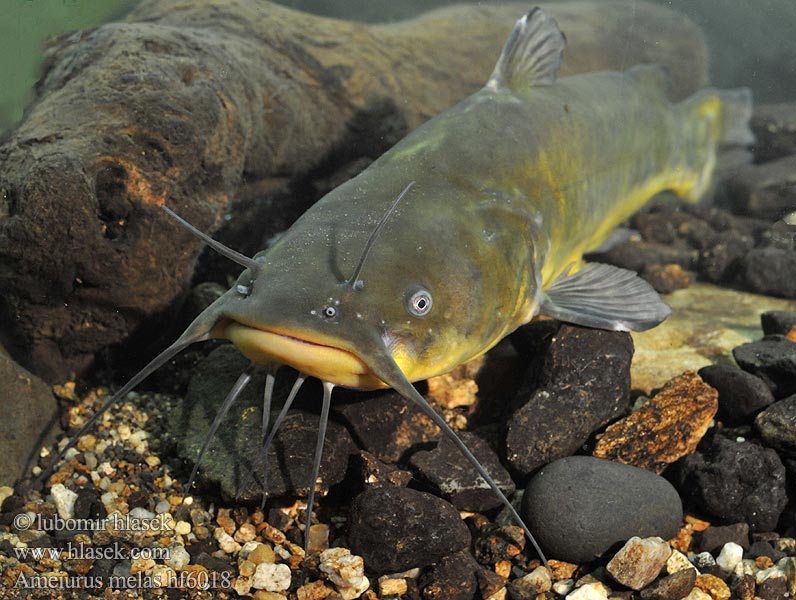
<point>242,585</point>
<point>713,586</point>
<point>697,524</point>
<point>503,568</point>
<point>562,570</point>
<point>176,500</point>
<point>225,521</point>
<point>294,549</point>
<point>392,587</point>
<point>86,442</point>
<point>225,541</point>
<point>319,537</point>
<point>141,565</point>
<point>201,532</point>
<point>639,562</point>
<point>265,595</point>
<point>246,568</point>
<point>245,533</point>
<point>162,576</point>
<point>697,594</point>
<point>273,535</point>
<point>66,391</point>
<point>452,390</point>
<point>263,553</point>
<point>315,590</point>
<point>124,431</point>
<point>537,581</point>
<point>589,591</point>
<point>271,577</point>
<point>764,562</point>
<point>182,528</point>
<point>152,460</point>
<point>677,562</point>
<point>683,538</point>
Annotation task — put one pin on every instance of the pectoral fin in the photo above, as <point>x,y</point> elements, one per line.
<point>604,297</point>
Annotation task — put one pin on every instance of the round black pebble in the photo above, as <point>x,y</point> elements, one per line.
<point>741,394</point>
<point>735,481</point>
<point>581,506</point>
<point>773,359</point>
<point>395,529</point>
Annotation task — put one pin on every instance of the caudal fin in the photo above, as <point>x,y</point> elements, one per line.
<point>719,124</point>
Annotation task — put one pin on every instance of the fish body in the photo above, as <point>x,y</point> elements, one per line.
<point>511,187</point>
<point>468,228</point>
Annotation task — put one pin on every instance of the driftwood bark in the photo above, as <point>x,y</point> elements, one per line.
<point>200,104</point>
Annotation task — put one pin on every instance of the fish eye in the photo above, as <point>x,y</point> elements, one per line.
<point>419,303</point>
<point>330,312</point>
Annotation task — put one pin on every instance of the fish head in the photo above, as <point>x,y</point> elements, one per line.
<point>408,307</point>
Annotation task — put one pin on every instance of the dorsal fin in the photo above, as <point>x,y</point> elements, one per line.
<point>532,54</point>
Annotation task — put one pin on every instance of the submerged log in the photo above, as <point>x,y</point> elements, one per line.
<point>199,104</point>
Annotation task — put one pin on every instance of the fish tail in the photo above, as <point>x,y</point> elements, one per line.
<point>718,136</point>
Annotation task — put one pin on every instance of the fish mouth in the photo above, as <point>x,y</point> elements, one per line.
<point>315,358</point>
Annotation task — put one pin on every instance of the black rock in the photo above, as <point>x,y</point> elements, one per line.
<point>88,505</point>
<point>777,424</point>
<point>386,424</point>
<point>672,587</point>
<point>764,191</point>
<point>234,461</point>
<point>773,359</point>
<point>451,475</point>
<point>452,578</point>
<point>774,126</point>
<point>714,537</point>
<point>636,255</point>
<point>720,261</point>
<point>32,419</point>
<point>735,481</point>
<point>773,588</point>
<point>395,529</point>
<point>580,507</point>
<point>374,473</point>
<point>769,271</point>
<point>778,322</point>
<point>585,383</point>
<point>763,548</point>
<point>741,394</point>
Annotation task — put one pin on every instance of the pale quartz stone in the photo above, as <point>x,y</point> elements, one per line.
<point>64,500</point>
<point>589,591</point>
<point>271,577</point>
<point>730,555</point>
<point>346,571</point>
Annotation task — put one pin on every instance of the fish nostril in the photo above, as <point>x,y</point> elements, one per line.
<point>330,312</point>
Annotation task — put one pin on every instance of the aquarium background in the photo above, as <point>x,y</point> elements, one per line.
<point>751,43</point>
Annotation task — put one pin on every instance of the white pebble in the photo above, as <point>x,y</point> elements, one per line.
<point>589,591</point>
<point>64,500</point>
<point>162,507</point>
<point>697,594</point>
<point>746,567</point>
<point>346,571</point>
<point>271,577</point>
<point>639,562</point>
<point>562,587</point>
<point>139,513</point>
<point>226,543</point>
<point>178,557</point>
<point>769,573</point>
<point>730,555</point>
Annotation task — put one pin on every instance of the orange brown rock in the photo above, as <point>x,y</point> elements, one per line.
<point>666,428</point>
